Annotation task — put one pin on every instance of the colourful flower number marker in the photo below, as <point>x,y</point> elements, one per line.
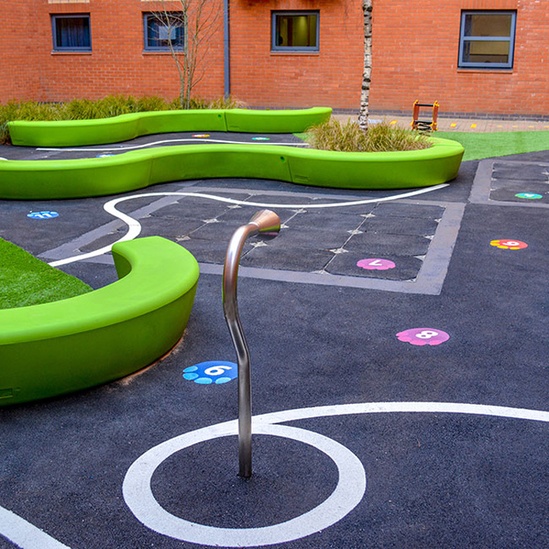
<point>423,336</point>
<point>42,215</point>
<point>375,264</point>
<point>201,135</point>
<point>213,371</point>
<point>507,244</point>
<point>529,196</point>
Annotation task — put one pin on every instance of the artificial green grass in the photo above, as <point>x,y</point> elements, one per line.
<point>25,280</point>
<point>479,145</point>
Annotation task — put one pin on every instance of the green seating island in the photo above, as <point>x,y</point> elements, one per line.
<point>137,169</point>
<point>72,344</point>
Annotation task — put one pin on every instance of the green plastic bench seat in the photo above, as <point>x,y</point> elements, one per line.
<point>58,179</point>
<point>55,348</point>
<point>71,133</point>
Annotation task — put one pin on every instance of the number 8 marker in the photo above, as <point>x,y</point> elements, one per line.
<point>427,334</point>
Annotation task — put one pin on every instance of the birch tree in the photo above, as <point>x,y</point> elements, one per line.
<point>367,70</point>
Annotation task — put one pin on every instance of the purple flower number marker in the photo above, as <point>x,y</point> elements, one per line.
<point>423,336</point>
<point>376,264</point>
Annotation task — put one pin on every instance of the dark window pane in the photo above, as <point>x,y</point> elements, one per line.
<point>478,24</point>
<point>296,31</point>
<point>162,30</point>
<point>486,52</point>
<point>487,39</point>
<point>72,32</point>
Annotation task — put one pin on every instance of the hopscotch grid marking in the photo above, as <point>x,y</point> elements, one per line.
<point>434,275</point>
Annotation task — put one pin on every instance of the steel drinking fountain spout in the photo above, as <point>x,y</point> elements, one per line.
<point>264,221</point>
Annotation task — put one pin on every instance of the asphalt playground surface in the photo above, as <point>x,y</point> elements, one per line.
<point>399,372</point>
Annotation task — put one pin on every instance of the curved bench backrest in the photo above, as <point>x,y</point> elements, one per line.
<point>67,133</point>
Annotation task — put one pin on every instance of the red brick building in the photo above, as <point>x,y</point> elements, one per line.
<point>473,56</point>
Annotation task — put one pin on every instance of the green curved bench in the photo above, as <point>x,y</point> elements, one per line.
<point>64,346</point>
<point>58,179</point>
<point>67,133</point>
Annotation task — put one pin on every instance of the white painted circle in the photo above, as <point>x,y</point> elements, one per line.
<point>346,496</point>
<point>348,493</point>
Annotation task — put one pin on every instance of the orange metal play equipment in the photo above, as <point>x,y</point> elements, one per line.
<point>425,125</point>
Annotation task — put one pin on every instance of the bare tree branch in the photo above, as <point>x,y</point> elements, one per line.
<point>199,20</point>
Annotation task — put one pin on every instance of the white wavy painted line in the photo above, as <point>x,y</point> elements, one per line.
<point>346,496</point>
<point>24,534</point>
<point>163,142</point>
<point>134,227</point>
<point>403,407</point>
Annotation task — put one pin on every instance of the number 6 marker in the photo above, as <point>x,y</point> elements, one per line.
<point>508,244</point>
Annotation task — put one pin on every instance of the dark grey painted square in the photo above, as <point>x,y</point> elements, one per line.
<point>384,245</point>
<point>287,259</point>
<point>169,226</point>
<point>521,171</point>
<point>335,220</point>
<point>408,210</point>
<point>400,225</point>
<point>206,250</point>
<point>311,237</point>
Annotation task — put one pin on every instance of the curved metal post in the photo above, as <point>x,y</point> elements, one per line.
<point>263,221</point>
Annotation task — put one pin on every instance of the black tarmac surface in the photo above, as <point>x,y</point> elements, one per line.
<point>322,332</point>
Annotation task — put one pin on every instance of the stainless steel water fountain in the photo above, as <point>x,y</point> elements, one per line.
<point>264,221</point>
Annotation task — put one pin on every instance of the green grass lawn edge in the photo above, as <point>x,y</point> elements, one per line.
<point>26,280</point>
<point>492,144</point>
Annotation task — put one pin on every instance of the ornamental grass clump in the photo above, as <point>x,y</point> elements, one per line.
<point>334,135</point>
<point>86,109</point>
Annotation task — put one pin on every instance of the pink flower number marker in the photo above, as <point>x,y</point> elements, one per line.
<point>423,336</point>
<point>376,264</point>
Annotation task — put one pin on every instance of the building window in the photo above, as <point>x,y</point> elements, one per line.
<point>164,31</point>
<point>487,39</point>
<point>295,31</point>
<point>71,32</point>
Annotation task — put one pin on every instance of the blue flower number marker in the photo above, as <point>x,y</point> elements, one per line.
<point>213,371</point>
<point>43,215</point>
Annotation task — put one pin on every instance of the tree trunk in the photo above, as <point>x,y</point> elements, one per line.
<point>366,75</point>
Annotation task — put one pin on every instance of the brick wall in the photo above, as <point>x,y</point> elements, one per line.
<point>17,52</point>
<point>331,76</point>
<point>415,50</point>
<point>117,63</point>
<point>416,54</point>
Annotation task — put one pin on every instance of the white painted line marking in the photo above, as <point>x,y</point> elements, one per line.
<point>134,227</point>
<point>347,494</point>
<point>163,142</point>
<point>24,534</point>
